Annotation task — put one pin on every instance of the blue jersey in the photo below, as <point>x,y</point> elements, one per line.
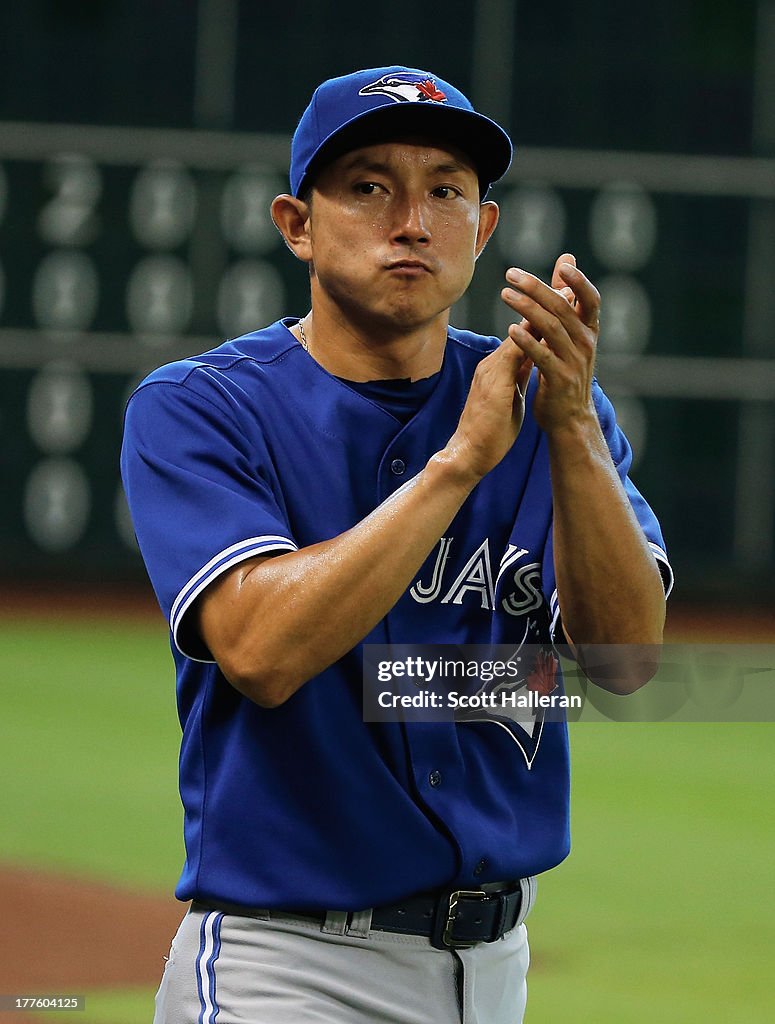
<point>254,449</point>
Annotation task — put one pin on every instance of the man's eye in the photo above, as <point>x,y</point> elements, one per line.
<point>367,188</point>
<point>445,192</point>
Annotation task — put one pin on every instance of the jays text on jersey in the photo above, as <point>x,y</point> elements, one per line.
<point>252,449</point>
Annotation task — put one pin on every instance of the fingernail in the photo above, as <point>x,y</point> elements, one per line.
<point>514,274</point>
<point>568,269</point>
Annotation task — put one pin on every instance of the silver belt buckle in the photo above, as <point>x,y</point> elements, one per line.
<point>446,936</point>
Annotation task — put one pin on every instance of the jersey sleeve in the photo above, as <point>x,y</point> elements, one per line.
<point>621,453</point>
<point>202,493</point>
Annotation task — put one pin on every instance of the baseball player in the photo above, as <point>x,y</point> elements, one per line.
<point>368,474</point>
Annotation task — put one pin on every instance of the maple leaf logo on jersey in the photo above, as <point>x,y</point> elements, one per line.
<point>543,677</point>
<point>405,88</point>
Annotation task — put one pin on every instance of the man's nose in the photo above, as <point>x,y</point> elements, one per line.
<point>411,224</point>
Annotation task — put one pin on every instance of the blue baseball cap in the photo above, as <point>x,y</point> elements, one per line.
<point>367,107</point>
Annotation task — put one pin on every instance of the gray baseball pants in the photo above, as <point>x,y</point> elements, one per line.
<point>280,969</point>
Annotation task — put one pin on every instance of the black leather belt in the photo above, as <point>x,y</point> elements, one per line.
<point>451,920</point>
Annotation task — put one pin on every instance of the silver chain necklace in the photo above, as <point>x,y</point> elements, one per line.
<point>304,342</point>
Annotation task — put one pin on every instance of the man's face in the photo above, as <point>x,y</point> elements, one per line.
<point>394,231</point>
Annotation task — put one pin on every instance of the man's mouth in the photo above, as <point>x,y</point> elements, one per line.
<point>409,266</point>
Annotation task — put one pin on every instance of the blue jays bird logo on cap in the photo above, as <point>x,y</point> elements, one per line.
<point>405,87</point>
<point>346,110</point>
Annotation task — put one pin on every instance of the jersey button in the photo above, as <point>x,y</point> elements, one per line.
<point>480,867</point>
<point>435,778</point>
<point>398,467</point>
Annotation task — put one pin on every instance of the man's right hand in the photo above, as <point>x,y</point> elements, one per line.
<point>493,413</point>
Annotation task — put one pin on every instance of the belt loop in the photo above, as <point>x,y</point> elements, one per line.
<point>529,887</point>
<point>503,910</point>
<point>335,922</point>
<point>360,923</point>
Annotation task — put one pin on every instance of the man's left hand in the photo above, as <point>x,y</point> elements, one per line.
<point>559,335</point>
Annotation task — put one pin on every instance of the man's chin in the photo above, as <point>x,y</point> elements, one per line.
<point>410,317</point>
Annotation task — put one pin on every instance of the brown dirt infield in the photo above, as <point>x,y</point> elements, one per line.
<point>67,935</point>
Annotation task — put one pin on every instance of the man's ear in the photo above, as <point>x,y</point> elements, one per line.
<point>291,217</point>
<point>488,219</point>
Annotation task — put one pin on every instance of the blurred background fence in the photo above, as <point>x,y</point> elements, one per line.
<point>141,144</point>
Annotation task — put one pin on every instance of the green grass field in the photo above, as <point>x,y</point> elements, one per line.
<point>663,912</point>
<point>88,750</point>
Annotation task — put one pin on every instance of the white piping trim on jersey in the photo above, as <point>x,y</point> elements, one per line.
<point>216,567</point>
<point>223,554</point>
<point>206,970</point>
<point>512,735</point>
<point>661,556</point>
<point>554,602</point>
